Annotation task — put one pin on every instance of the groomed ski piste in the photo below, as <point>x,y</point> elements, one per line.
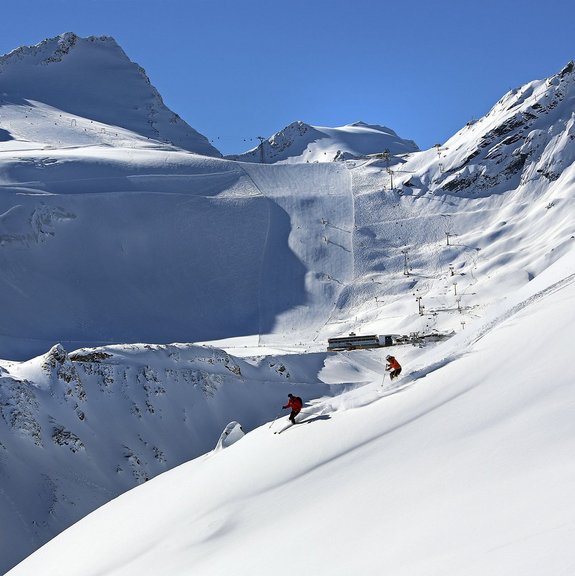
<point>159,304</point>
<point>462,466</point>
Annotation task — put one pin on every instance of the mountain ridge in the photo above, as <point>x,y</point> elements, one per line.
<point>301,142</point>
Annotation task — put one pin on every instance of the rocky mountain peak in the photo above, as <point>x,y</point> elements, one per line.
<point>93,78</point>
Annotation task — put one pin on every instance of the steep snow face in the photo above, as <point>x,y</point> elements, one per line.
<point>91,79</point>
<point>300,142</point>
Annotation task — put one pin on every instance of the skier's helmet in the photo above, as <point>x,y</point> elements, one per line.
<point>290,395</point>
<point>388,357</point>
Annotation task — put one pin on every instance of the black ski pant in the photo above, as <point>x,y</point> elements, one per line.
<point>293,414</point>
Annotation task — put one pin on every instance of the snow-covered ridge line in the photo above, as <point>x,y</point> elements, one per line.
<point>521,136</point>
<point>301,142</point>
<point>53,50</point>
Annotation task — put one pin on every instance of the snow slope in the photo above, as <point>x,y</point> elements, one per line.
<point>128,246</point>
<point>78,429</point>
<point>300,142</point>
<point>464,467</point>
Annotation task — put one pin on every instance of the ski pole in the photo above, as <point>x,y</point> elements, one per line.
<point>274,420</point>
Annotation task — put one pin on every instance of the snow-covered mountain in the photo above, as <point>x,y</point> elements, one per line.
<point>300,142</point>
<point>116,240</point>
<point>70,91</point>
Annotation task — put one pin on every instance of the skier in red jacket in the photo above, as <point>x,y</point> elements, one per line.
<point>295,403</point>
<point>393,367</point>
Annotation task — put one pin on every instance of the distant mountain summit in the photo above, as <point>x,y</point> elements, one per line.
<point>300,142</point>
<point>93,78</point>
<point>527,137</point>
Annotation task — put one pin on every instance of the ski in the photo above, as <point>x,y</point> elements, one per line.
<point>288,426</point>
<point>284,428</point>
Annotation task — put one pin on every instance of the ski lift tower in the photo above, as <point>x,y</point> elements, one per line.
<point>262,140</point>
<point>385,155</point>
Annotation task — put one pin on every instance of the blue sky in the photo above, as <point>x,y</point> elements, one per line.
<point>238,69</point>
